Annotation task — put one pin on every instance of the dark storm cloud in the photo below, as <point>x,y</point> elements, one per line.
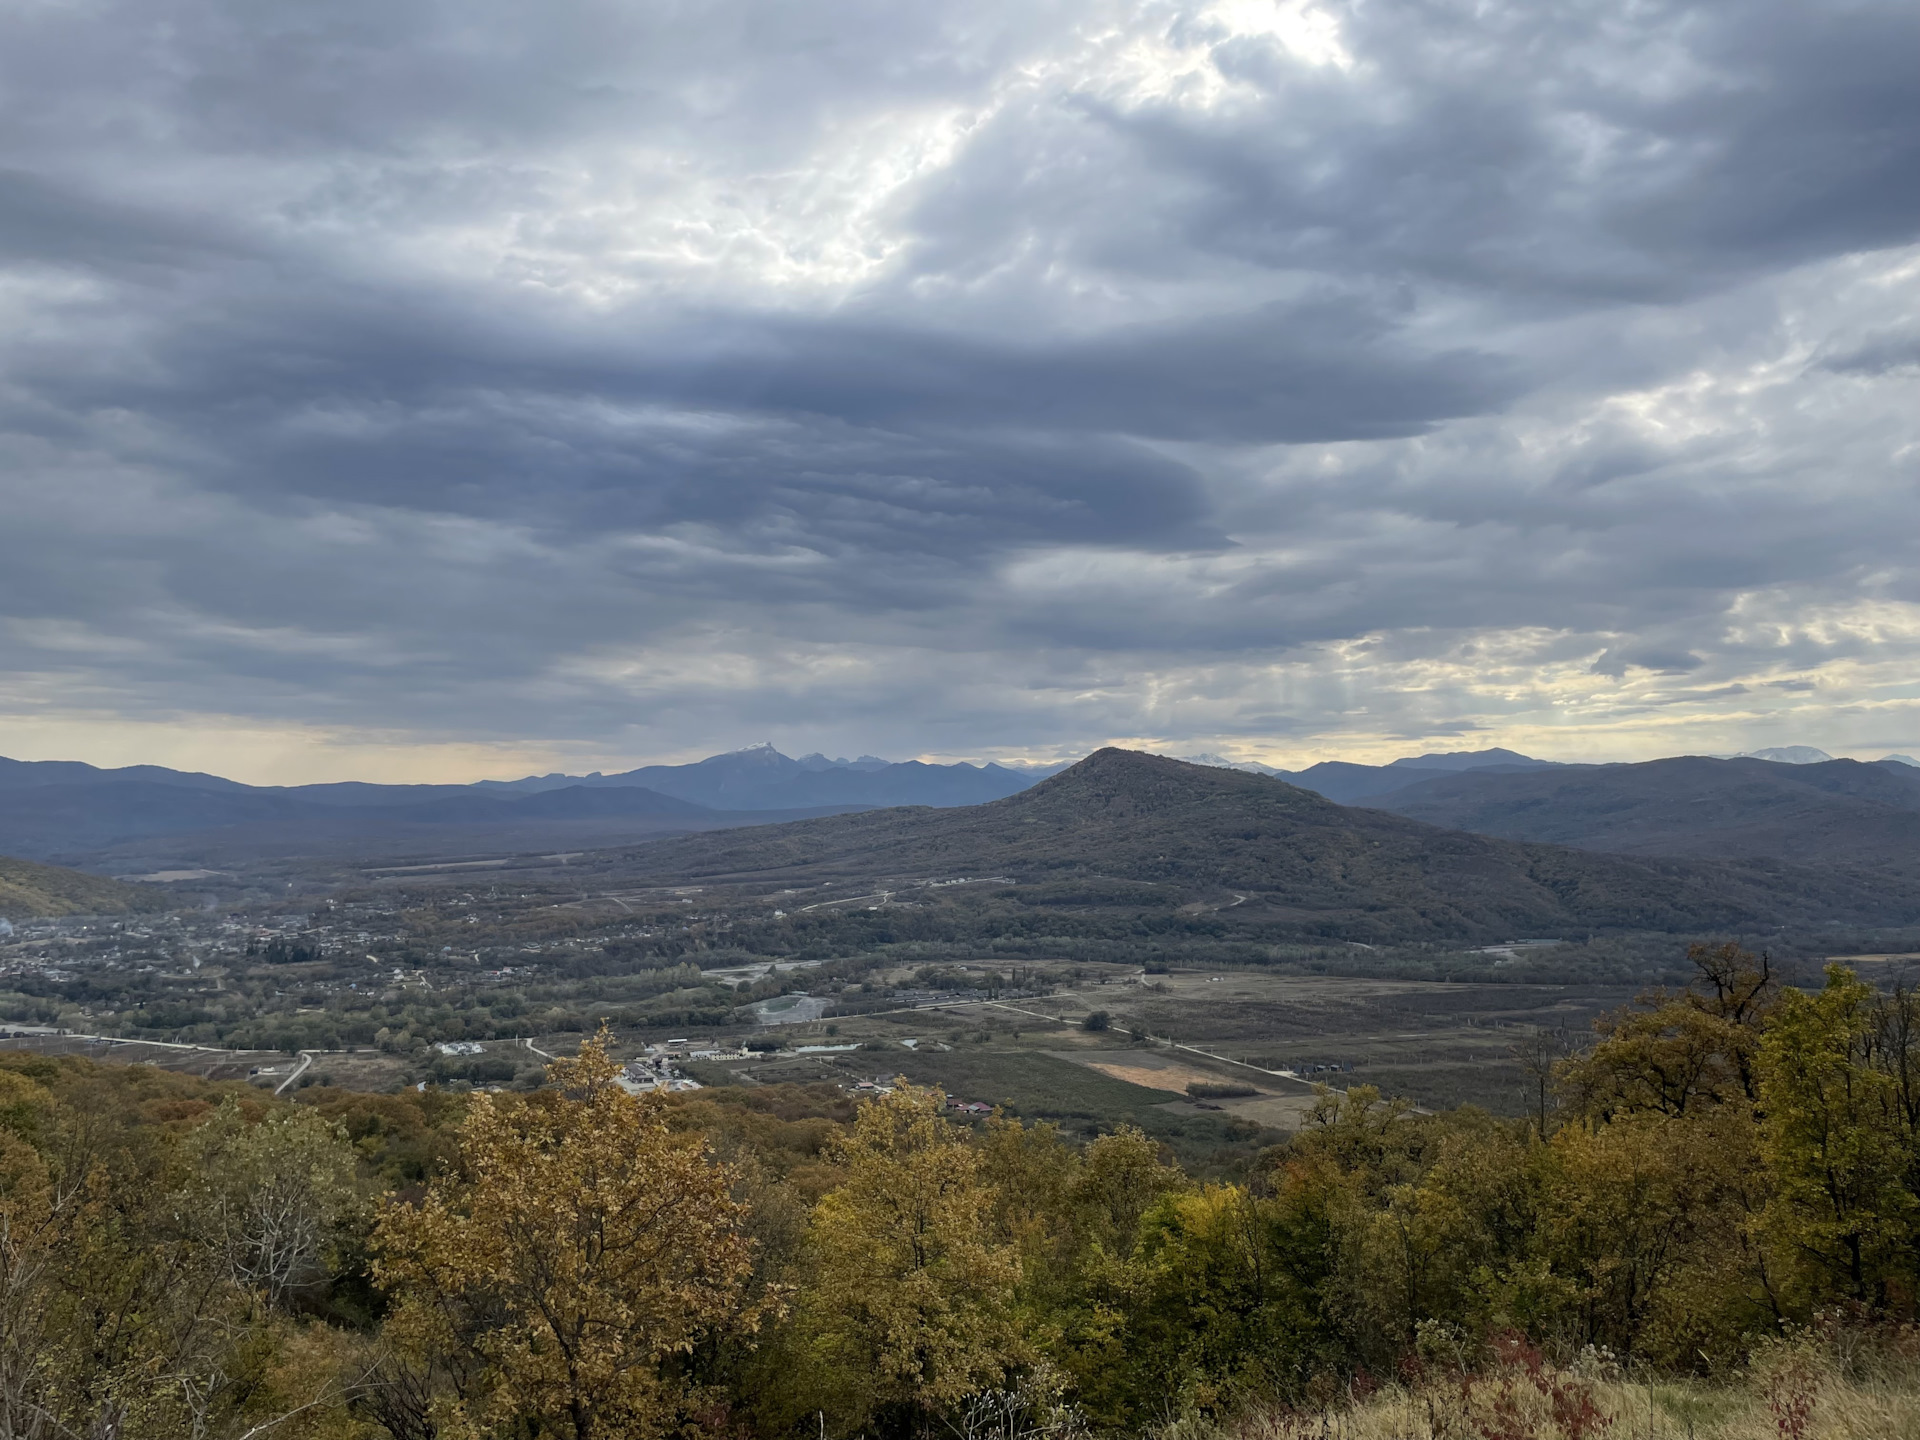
<point>47,222</point>
<point>360,403</point>
<point>1617,662</point>
<point>1878,354</point>
<point>485,346</point>
<point>1278,374</point>
<point>339,391</point>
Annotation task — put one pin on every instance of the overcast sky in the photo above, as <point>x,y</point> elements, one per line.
<point>421,389</point>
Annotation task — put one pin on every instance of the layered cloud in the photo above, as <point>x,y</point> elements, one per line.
<point>409,388</point>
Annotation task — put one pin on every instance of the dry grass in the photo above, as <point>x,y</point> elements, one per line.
<point>1807,1390</point>
<point>1164,1077</point>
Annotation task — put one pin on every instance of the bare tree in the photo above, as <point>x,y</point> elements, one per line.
<point>1540,1054</point>
<point>271,1196</point>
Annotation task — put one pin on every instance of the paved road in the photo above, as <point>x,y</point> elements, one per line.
<point>306,1056</point>
<point>306,1059</point>
<point>123,1040</point>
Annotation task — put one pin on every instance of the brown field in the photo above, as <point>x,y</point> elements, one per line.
<point>1438,1043</point>
<point>1155,1077</point>
<point>1273,1112</point>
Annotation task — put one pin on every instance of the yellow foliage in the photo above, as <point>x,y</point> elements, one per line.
<point>579,1251</point>
<point>910,1301</point>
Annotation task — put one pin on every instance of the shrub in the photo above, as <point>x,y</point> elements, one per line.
<point>1219,1089</point>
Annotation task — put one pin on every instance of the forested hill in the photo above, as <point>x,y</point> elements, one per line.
<point>1838,812</point>
<point>30,891</point>
<point>1306,863</point>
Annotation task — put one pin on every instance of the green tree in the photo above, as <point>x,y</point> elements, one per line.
<point>1226,1302</point>
<point>271,1195</point>
<point>1838,1144</point>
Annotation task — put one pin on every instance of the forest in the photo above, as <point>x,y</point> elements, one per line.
<point>1709,1224</point>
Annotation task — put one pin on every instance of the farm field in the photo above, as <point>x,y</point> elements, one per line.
<point>1439,1044</point>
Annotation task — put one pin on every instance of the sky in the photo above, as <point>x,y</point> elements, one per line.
<point>403,389</point>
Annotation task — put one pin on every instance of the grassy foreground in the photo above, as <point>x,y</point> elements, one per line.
<point>1839,1384</point>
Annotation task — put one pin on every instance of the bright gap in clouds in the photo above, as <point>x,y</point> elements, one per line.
<point>1308,31</point>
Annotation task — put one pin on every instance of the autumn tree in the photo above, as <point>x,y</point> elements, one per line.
<point>1650,1222</point>
<point>1030,1171</point>
<point>909,1307</point>
<point>30,1226</point>
<point>117,1318</point>
<point>1672,1053</point>
<point>1540,1055</point>
<point>563,1269</point>
<point>1225,1300</point>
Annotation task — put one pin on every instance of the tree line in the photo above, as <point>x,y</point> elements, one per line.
<point>1724,1164</point>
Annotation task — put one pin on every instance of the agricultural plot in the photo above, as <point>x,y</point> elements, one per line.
<point>1438,1044</point>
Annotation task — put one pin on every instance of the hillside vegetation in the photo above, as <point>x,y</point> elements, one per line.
<point>31,891</point>
<point>1839,813</point>
<point>1709,1226</point>
<point>1284,856</point>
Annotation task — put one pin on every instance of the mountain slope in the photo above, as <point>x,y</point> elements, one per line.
<point>1346,783</point>
<point>1472,760</point>
<point>24,774</point>
<point>1310,865</point>
<point>1838,812</point>
<point>30,891</point>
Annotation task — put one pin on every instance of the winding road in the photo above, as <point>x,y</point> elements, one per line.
<point>306,1059</point>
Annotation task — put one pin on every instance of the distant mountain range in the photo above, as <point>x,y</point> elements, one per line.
<point>1792,803</point>
<point>1346,783</point>
<point>141,814</point>
<point>761,778</point>
<point>1271,852</point>
<point>1785,804</point>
